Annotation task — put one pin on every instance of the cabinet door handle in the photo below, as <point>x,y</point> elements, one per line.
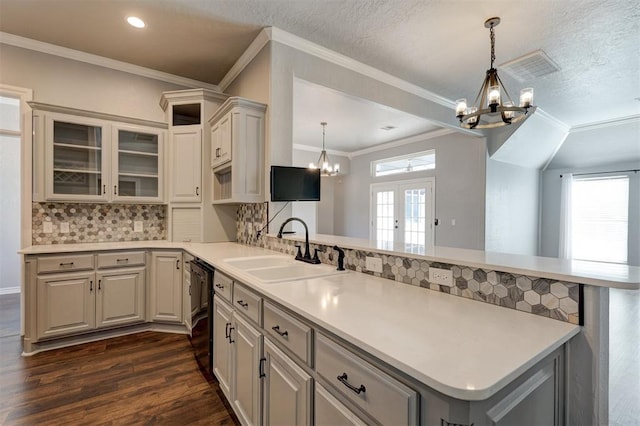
<point>217,152</point>
<point>90,286</point>
<point>243,304</point>
<point>104,189</point>
<point>126,260</point>
<point>197,190</point>
<point>99,284</point>
<point>261,368</point>
<point>230,339</point>
<point>115,189</point>
<point>226,330</point>
<point>189,289</point>
<point>177,263</point>
<point>281,333</point>
<point>343,379</point>
<point>220,286</point>
<point>69,264</point>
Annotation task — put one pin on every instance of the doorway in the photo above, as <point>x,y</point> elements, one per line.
<point>402,214</point>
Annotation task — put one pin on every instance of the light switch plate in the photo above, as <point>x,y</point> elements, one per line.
<point>373,264</point>
<point>441,276</point>
<point>64,227</point>
<point>47,227</point>
<point>137,226</point>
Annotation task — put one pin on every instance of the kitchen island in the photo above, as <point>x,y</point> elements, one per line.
<point>459,348</point>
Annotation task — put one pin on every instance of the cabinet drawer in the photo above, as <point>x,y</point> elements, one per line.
<point>222,285</point>
<point>374,391</point>
<point>247,302</point>
<point>75,262</point>
<point>288,331</point>
<point>120,259</point>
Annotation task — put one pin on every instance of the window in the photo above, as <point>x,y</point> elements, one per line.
<point>415,162</point>
<point>599,215</point>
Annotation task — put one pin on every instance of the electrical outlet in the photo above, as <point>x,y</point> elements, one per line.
<point>137,226</point>
<point>64,227</point>
<point>47,227</point>
<point>441,276</point>
<point>373,264</point>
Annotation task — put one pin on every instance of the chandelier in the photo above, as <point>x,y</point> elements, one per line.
<point>323,160</point>
<point>489,110</point>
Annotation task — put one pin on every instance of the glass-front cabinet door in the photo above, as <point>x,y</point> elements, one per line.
<point>137,164</point>
<point>76,170</point>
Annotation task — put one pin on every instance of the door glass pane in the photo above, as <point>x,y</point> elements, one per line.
<point>414,219</point>
<point>384,217</point>
<point>77,159</point>
<point>138,163</point>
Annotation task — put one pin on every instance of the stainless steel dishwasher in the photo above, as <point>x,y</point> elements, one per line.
<point>201,292</point>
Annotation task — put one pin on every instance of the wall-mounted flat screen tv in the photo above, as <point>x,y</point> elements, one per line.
<point>295,184</point>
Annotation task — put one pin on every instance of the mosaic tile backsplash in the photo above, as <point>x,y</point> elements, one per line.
<point>540,296</point>
<point>92,223</point>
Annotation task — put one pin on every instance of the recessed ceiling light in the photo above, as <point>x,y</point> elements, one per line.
<point>134,21</point>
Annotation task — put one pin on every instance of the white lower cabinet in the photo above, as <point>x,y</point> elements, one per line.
<point>287,389</point>
<point>120,297</point>
<point>246,359</point>
<point>78,301</point>
<point>331,412</point>
<point>165,297</point>
<point>66,303</point>
<point>237,348</point>
<point>222,344</point>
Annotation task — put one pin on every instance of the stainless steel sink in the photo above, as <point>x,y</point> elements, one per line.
<point>274,268</point>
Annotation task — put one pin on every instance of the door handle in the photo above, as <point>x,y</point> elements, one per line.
<point>261,368</point>
<point>90,286</point>
<point>177,263</point>
<point>99,284</point>
<point>197,190</point>
<point>115,189</point>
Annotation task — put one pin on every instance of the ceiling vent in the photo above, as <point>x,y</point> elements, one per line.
<point>530,66</point>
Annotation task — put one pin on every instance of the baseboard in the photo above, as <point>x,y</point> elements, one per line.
<point>9,290</point>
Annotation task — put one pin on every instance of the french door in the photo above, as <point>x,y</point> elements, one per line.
<point>402,215</point>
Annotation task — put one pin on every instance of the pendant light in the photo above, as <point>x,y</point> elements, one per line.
<point>493,106</point>
<point>323,161</point>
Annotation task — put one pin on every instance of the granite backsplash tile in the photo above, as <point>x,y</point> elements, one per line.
<point>92,223</point>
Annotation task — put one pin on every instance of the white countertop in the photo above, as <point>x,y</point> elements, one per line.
<point>462,348</point>
<point>593,273</point>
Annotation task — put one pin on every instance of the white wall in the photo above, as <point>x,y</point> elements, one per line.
<point>9,212</point>
<point>65,82</point>
<point>460,189</point>
<point>512,209</point>
<point>550,215</point>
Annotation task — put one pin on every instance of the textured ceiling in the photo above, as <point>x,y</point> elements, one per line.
<point>440,45</point>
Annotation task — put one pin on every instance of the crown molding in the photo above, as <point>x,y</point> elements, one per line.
<point>401,142</point>
<point>76,55</point>
<point>245,59</point>
<point>605,123</point>
<point>321,52</point>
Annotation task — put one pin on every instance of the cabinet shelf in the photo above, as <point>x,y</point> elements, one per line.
<point>140,153</point>
<point>78,147</point>
<point>86,171</point>
<point>144,175</point>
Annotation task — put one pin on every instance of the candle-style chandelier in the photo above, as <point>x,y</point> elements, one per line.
<point>488,110</point>
<point>323,161</point>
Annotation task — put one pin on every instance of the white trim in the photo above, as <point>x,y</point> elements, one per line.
<point>9,290</point>
<point>76,55</point>
<point>605,123</point>
<point>319,150</point>
<point>551,119</point>
<point>321,52</point>
<point>245,59</point>
<point>401,142</point>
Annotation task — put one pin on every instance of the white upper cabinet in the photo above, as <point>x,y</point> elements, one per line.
<point>90,157</point>
<point>237,154</point>
<point>76,163</point>
<point>185,164</point>
<point>136,162</point>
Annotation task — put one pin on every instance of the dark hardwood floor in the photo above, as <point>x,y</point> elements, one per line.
<point>147,378</point>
